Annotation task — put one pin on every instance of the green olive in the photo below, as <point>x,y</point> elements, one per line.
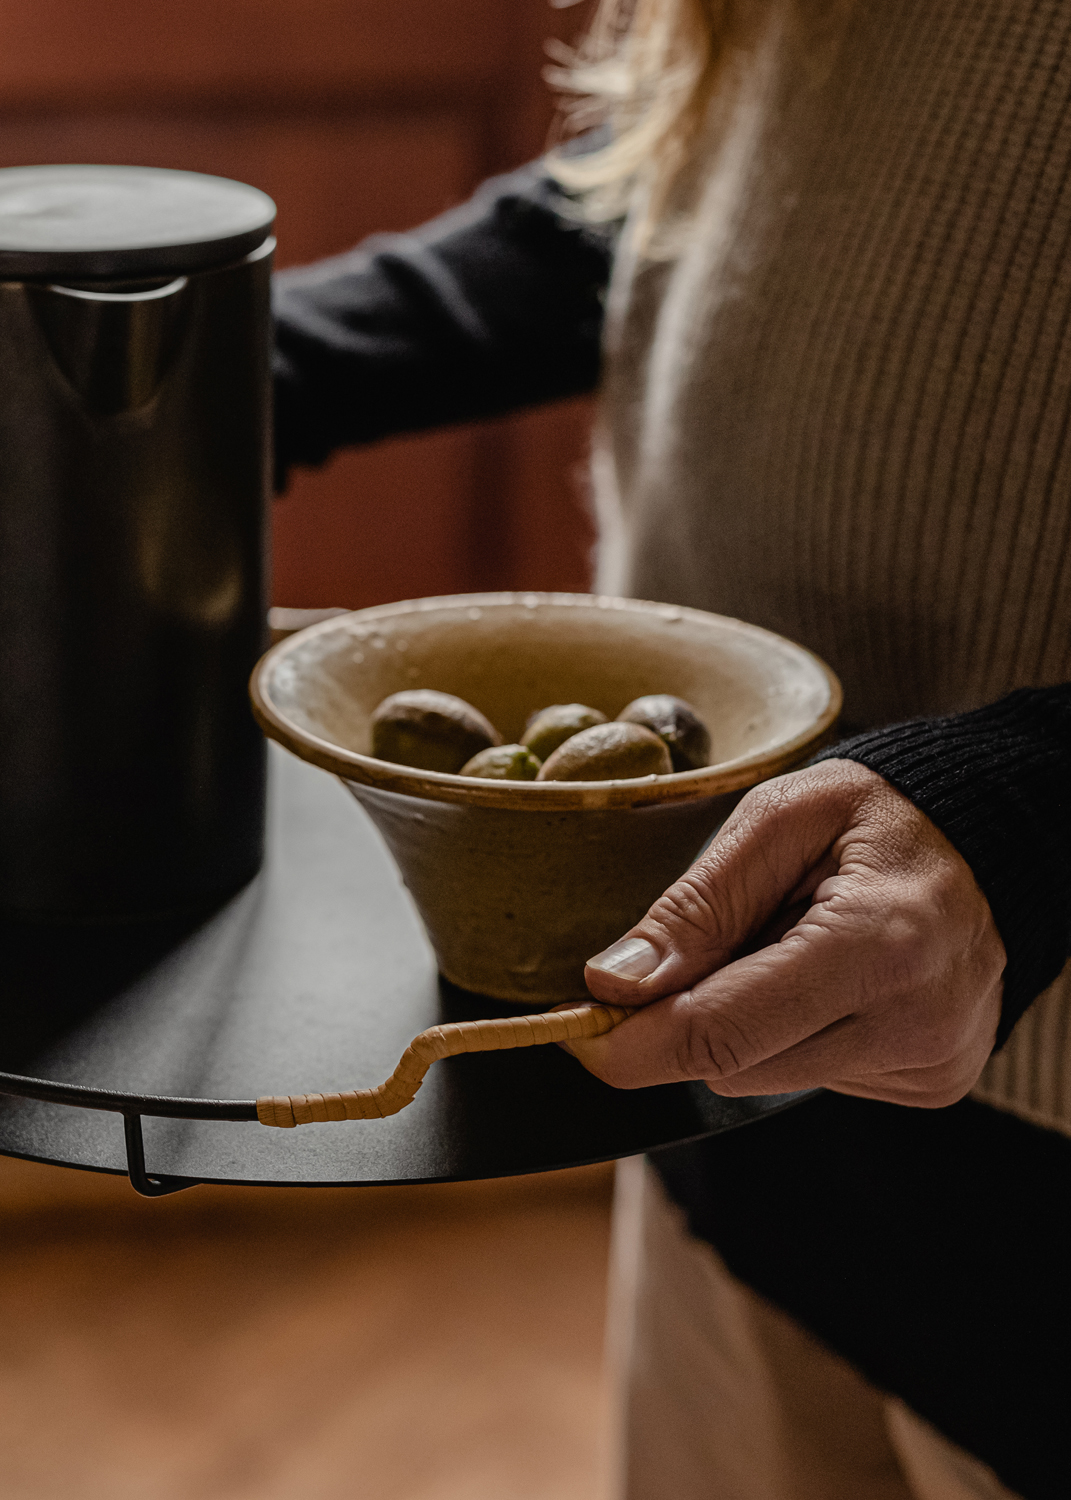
<point>429,730</point>
<point>503,763</point>
<point>551,727</point>
<point>675,722</point>
<point>608,752</point>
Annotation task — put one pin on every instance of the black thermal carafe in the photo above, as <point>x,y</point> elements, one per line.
<point>134,436</point>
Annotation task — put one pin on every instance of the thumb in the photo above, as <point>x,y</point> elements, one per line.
<point>773,850</point>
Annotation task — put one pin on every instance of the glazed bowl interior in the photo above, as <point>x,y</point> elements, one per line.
<point>764,699</point>
<point>518,883</point>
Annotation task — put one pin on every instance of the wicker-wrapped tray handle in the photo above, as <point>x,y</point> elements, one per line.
<point>587,1020</point>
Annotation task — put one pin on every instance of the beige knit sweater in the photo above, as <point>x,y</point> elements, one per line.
<point>844,411</point>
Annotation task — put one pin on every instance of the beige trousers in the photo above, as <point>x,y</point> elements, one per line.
<point>720,1396</point>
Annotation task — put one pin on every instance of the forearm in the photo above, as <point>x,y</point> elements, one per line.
<point>996,783</point>
<point>494,306</point>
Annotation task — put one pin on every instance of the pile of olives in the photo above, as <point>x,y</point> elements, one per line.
<point>432,731</point>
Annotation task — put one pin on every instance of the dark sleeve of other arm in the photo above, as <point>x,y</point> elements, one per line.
<point>495,306</point>
<point>997,783</point>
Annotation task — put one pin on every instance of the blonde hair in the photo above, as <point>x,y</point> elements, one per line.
<point>651,70</point>
<point>648,69</point>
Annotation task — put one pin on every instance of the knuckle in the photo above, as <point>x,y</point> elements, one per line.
<point>948,1086</point>
<point>756,809</point>
<point>943,1038</point>
<point>690,904</point>
<point>773,799</point>
<point>903,950</point>
<point>712,1049</point>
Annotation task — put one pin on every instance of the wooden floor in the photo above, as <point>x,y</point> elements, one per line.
<point>437,1343</point>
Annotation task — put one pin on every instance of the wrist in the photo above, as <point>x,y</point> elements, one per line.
<point>995,783</point>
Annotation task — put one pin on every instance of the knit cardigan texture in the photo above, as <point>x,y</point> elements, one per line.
<point>843,412</point>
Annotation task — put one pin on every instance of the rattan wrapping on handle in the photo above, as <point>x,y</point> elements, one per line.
<point>287,1110</point>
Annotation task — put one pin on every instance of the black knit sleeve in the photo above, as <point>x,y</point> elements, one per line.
<point>997,783</point>
<point>495,306</point>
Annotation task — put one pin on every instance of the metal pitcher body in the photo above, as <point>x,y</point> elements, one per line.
<point>134,438</point>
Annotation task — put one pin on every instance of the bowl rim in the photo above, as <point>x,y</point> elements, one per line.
<point>365,771</point>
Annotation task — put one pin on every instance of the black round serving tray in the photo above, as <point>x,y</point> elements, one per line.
<point>316,976</point>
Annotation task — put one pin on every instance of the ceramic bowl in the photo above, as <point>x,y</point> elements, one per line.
<point>518,883</point>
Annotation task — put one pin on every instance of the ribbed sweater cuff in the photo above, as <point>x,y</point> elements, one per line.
<point>997,783</point>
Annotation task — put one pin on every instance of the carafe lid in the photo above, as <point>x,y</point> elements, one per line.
<point>124,222</point>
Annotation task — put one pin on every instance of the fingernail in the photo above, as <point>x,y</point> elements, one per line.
<point>631,958</point>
